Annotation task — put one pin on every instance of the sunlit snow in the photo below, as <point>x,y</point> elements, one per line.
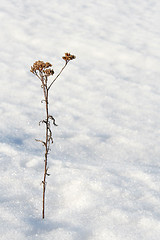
<point>105,160</point>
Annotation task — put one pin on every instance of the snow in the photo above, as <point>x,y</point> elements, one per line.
<point>104,163</point>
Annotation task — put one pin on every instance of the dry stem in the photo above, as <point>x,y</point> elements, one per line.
<point>42,71</point>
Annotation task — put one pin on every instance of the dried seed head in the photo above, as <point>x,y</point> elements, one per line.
<point>48,65</point>
<point>41,67</point>
<point>48,72</point>
<point>68,57</point>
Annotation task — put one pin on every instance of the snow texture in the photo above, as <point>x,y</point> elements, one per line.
<point>105,160</point>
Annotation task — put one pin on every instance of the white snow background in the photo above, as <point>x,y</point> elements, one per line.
<point>105,160</point>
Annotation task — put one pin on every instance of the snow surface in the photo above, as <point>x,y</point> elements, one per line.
<point>104,163</point>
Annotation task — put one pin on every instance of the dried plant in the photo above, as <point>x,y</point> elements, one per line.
<point>43,71</point>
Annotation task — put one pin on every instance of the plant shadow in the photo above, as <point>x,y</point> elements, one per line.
<point>38,226</point>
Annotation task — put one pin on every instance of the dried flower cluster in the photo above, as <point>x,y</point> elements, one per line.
<point>42,68</point>
<point>68,57</point>
<point>48,72</point>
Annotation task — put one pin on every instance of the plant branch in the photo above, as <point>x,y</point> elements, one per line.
<point>58,75</point>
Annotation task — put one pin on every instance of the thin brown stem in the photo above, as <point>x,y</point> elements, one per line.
<point>46,147</point>
<point>58,75</point>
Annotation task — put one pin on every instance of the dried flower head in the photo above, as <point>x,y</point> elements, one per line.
<point>68,57</point>
<point>41,67</point>
<point>48,72</point>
